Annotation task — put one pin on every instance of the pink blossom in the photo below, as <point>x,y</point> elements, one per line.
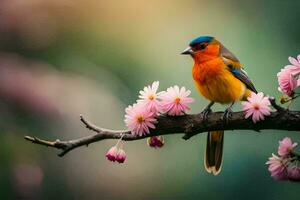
<point>287,82</point>
<point>175,100</point>
<point>121,156</point>
<point>288,77</point>
<point>156,141</point>
<point>257,106</point>
<point>294,173</point>
<point>285,146</point>
<point>112,153</point>
<point>277,168</point>
<point>139,120</point>
<point>149,97</point>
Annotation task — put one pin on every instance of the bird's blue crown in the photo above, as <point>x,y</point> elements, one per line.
<point>201,39</point>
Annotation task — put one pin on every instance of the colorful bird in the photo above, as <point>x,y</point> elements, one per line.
<point>219,77</point>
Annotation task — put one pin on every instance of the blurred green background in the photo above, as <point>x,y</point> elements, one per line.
<point>62,58</point>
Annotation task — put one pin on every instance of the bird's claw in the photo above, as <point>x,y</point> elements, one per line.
<point>204,114</point>
<point>227,115</point>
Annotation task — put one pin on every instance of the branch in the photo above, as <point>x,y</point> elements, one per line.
<point>191,125</point>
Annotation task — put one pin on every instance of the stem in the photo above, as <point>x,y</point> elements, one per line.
<point>122,135</point>
<point>291,99</point>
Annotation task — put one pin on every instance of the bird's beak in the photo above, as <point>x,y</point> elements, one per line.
<point>187,51</point>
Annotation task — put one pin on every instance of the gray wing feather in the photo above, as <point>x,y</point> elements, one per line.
<point>239,73</point>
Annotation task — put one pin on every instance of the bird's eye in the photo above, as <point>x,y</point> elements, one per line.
<point>201,46</point>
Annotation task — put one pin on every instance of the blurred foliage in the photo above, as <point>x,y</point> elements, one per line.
<point>61,58</point>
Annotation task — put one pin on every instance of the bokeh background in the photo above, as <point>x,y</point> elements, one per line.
<point>62,58</point>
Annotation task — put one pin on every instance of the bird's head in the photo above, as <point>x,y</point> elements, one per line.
<point>202,48</point>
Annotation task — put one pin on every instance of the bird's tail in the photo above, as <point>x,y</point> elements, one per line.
<point>214,152</point>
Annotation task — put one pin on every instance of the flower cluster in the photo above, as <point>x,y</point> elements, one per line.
<point>284,166</point>
<point>289,77</point>
<point>257,106</point>
<point>141,116</point>
<point>116,153</point>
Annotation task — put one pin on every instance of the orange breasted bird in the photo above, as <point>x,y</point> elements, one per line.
<point>219,77</point>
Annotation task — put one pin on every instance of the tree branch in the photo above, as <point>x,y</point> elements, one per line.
<point>191,125</point>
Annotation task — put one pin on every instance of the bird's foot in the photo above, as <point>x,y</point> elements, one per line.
<point>204,114</point>
<point>227,115</point>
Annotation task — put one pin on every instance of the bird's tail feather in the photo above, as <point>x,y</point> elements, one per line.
<point>214,152</point>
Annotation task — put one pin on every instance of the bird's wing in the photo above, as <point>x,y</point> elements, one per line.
<point>240,74</point>
<point>225,53</point>
<point>235,68</point>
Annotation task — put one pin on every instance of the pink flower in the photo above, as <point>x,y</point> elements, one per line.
<point>287,82</point>
<point>112,153</point>
<point>156,141</point>
<point>116,154</point>
<point>277,168</point>
<point>139,120</point>
<point>285,146</point>
<point>149,97</point>
<point>121,156</point>
<point>288,77</point>
<point>175,101</point>
<point>294,173</point>
<point>257,106</point>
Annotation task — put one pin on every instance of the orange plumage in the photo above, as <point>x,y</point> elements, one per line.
<point>213,79</point>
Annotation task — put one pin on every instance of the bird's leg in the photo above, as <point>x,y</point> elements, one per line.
<point>206,111</point>
<point>228,113</point>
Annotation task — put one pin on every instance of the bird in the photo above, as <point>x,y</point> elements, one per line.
<point>220,78</point>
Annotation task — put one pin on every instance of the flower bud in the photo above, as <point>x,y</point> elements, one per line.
<point>121,156</point>
<point>156,141</point>
<point>284,99</point>
<point>111,154</point>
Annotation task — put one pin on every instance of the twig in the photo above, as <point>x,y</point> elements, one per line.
<point>189,124</point>
<point>275,105</point>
